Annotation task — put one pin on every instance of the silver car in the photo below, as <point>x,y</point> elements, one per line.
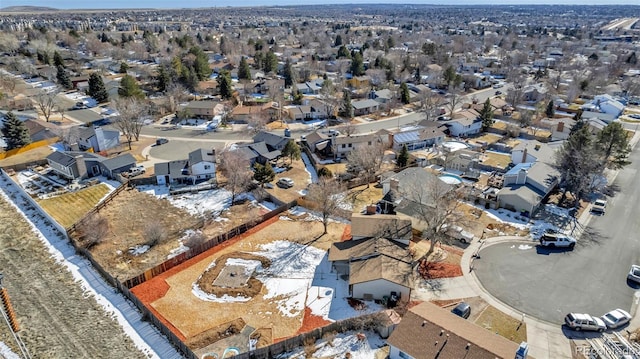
<point>634,274</point>
<point>616,318</point>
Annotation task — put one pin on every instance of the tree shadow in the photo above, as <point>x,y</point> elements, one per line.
<point>611,190</point>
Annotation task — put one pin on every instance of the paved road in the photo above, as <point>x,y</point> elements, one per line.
<point>592,278</point>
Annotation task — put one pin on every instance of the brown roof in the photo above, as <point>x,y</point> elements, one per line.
<point>347,250</point>
<point>381,267</point>
<point>423,331</point>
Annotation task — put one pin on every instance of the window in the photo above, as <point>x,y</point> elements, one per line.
<point>369,143</point>
<point>207,167</point>
<point>350,145</point>
<point>344,145</point>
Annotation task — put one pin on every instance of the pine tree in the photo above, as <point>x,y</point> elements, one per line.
<point>224,85</point>
<point>338,41</point>
<point>486,115</point>
<point>123,67</point>
<point>403,157</point>
<point>613,143</point>
<point>201,63</point>
<point>347,108</point>
<point>551,110</point>
<point>15,132</point>
<point>244,73</point>
<point>357,65</point>
<point>97,89</point>
<point>271,62</point>
<point>263,174</point>
<point>343,52</point>
<point>129,88</point>
<point>289,77</point>
<point>291,150</point>
<point>163,79</point>
<point>63,78</point>
<point>57,59</point>
<point>404,93</point>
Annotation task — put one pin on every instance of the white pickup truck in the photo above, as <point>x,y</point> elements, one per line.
<point>599,206</point>
<point>557,240</point>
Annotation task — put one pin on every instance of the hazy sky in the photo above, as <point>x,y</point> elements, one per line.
<point>120,4</point>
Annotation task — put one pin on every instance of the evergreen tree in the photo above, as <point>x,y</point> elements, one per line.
<point>613,143</point>
<point>403,157</point>
<point>244,73</point>
<point>263,174</point>
<point>57,59</point>
<point>15,132</point>
<point>224,85</point>
<point>325,172</point>
<point>551,110</point>
<point>338,41</point>
<point>129,88</point>
<point>357,65</point>
<point>163,79</point>
<point>289,77</point>
<point>449,75</point>
<point>347,109</point>
<point>271,62</point>
<point>63,78</point>
<point>343,52</point>
<point>291,150</point>
<point>486,115</point>
<point>123,68</point>
<point>404,93</point>
<point>97,89</point>
<point>201,63</point>
<point>258,60</point>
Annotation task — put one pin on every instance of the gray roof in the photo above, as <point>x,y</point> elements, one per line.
<point>85,116</point>
<point>541,151</point>
<point>202,104</point>
<point>272,140</point>
<point>173,168</point>
<point>200,155</point>
<point>62,158</point>
<point>115,163</point>
<point>362,104</point>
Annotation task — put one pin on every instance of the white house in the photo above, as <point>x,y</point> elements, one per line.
<point>465,123</point>
<point>532,151</point>
<point>605,104</point>
<point>376,267</point>
<point>97,139</point>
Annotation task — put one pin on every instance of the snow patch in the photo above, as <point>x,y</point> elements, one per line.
<point>524,247</point>
<point>7,353</point>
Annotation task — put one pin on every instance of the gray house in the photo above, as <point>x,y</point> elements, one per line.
<point>526,185</point>
<point>79,165</point>
<point>200,165</point>
<point>97,139</point>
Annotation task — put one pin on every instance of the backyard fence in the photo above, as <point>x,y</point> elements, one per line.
<point>366,322</point>
<point>192,252</point>
<point>28,147</point>
<point>72,229</point>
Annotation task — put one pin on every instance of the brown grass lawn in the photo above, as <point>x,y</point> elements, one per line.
<point>363,196</point>
<point>27,157</point>
<point>68,208</point>
<point>502,324</point>
<point>495,159</point>
<point>488,138</point>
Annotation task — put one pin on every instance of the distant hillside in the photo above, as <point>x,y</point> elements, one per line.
<point>27,9</point>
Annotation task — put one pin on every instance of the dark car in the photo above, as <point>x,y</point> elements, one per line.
<point>462,310</point>
<point>161,141</point>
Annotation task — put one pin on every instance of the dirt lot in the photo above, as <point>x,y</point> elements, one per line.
<point>56,317</point>
<point>170,294</point>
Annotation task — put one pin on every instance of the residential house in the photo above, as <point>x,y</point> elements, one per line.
<point>39,130</point>
<point>534,93</point>
<point>97,139</point>
<point>604,104</point>
<point>532,151</point>
<point>310,87</point>
<point>258,152</point>
<point>372,224</point>
<point>274,142</point>
<point>428,331</point>
<point>204,109</point>
<point>87,116</point>
<point>383,96</point>
<point>376,267</point>
<point>245,113</point>
<point>526,185</point>
<point>310,110</point>
<point>465,123</point>
<point>73,165</point>
<point>200,165</point>
<point>358,82</point>
<point>364,107</point>
<point>418,137</point>
<point>337,145</point>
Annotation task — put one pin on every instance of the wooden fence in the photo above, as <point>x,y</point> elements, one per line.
<point>221,238</point>
<point>365,322</point>
<point>28,147</point>
<point>72,229</point>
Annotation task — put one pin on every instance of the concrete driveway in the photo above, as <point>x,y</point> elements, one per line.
<point>548,284</point>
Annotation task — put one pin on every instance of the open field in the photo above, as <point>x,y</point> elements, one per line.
<point>68,208</point>
<point>173,297</point>
<point>57,318</point>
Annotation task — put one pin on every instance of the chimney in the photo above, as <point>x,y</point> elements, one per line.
<point>522,176</point>
<point>524,155</point>
<point>560,127</point>
<point>394,184</point>
<point>81,166</point>
<point>371,209</point>
<point>99,139</point>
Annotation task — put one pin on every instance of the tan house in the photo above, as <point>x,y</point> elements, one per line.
<point>204,108</point>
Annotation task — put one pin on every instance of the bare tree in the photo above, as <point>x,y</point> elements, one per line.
<point>176,93</point>
<point>429,102</point>
<point>92,229</point>
<point>154,233</point>
<point>257,121</point>
<point>236,170</point>
<point>129,121</point>
<point>365,161</point>
<point>437,206</point>
<point>348,129</point>
<point>324,196</point>
<point>455,99</point>
<point>46,103</point>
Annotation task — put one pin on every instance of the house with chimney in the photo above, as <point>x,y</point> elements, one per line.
<point>74,165</point>
<point>97,139</point>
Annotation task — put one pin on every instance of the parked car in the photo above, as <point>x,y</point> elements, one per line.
<point>161,141</point>
<point>634,274</point>
<point>462,310</point>
<point>498,93</point>
<point>557,240</point>
<point>599,206</point>
<point>285,182</point>
<point>616,318</point>
<point>577,321</point>
<point>134,171</point>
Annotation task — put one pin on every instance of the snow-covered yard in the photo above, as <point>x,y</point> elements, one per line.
<point>536,227</point>
<point>340,345</point>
